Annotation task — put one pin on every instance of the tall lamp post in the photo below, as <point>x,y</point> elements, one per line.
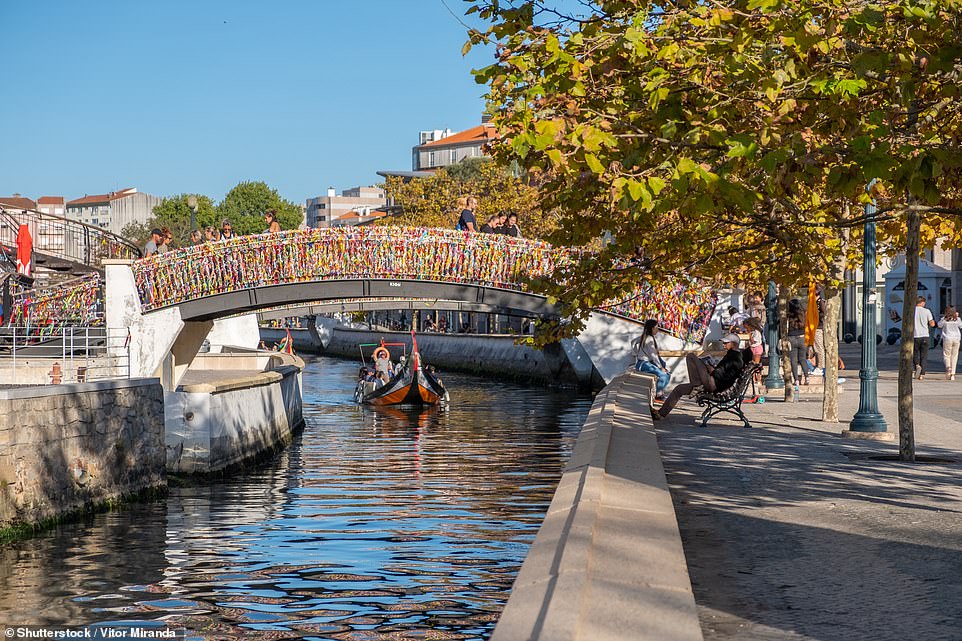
<point>774,379</point>
<point>192,203</point>
<point>868,422</point>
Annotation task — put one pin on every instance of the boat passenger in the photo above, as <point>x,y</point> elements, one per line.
<point>382,379</point>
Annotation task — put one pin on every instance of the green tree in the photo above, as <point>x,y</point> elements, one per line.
<point>175,214</point>
<point>246,204</point>
<point>731,140</point>
<point>432,201</point>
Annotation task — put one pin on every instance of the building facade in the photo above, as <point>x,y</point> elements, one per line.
<point>323,211</point>
<point>115,210</point>
<point>442,148</point>
<point>53,205</point>
<point>129,207</point>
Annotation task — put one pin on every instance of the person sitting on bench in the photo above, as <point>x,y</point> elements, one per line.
<point>701,374</point>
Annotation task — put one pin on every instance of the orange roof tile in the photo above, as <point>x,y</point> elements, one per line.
<point>96,199</point>
<point>17,202</point>
<point>50,200</point>
<point>479,134</point>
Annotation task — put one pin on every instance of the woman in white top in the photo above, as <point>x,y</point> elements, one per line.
<point>951,327</point>
<point>649,361</point>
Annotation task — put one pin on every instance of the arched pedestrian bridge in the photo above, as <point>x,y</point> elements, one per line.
<point>207,282</point>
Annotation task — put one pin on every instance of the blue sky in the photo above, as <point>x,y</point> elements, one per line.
<point>183,96</point>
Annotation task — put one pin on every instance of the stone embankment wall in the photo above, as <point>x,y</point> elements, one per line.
<point>229,413</point>
<point>70,447</point>
<point>490,355</point>
<point>607,563</point>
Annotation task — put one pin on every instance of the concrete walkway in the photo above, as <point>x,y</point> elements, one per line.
<point>792,532</point>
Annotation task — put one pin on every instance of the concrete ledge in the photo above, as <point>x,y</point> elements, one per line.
<point>607,563</point>
<point>40,391</point>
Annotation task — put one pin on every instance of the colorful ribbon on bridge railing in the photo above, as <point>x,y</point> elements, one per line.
<point>392,252</point>
<point>47,310</point>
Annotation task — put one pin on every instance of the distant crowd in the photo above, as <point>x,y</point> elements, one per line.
<point>161,239</point>
<point>501,223</point>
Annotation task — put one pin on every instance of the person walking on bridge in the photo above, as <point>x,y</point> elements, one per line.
<point>467,221</point>
<point>156,239</point>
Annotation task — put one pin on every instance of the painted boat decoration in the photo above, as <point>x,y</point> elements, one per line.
<point>413,383</point>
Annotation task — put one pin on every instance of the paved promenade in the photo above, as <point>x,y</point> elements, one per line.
<point>792,532</point>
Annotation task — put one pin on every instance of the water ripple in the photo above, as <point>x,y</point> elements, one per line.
<point>376,524</point>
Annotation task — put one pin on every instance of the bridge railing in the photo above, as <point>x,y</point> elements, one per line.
<point>346,253</point>
<point>404,253</point>
<point>65,239</point>
<point>39,313</point>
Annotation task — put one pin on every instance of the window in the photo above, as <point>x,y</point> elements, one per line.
<point>431,159</point>
<point>454,156</point>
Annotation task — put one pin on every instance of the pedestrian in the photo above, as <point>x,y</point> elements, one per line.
<point>796,342</point>
<point>492,226</point>
<point>923,321</point>
<point>272,225</point>
<point>511,226</point>
<point>951,326</point>
<point>156,240</point>
<point>710,379</point>
<point>211,234</point>
<point>649,360</point>
<point>166,241</point>
<point>819,342</point>
<point>196,238</point>
<point>226,230</point>
<point>467,221</point>
<point>755,344</point>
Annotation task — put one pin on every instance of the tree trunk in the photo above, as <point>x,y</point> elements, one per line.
<point>786,363</point>
<point>907,348</point>
<point>833,304</point>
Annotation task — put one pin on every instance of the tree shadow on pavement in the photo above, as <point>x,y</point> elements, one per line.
<point>763,579</point>
<point>787,537</point>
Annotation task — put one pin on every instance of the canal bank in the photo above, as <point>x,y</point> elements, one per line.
<point>498,356</point>
<point>69,449</point>
<point>608,562</point>
<point>232,409</point>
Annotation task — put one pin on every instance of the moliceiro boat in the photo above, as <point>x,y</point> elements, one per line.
<point>410,382</point>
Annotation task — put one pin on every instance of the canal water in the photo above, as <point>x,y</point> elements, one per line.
<point>375,524</point>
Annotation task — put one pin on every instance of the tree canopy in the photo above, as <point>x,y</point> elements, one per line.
<point>432,201</point>
<point>246,204</point>
<point>732,140</point>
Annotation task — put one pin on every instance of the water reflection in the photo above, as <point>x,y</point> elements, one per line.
<point>378,523</point>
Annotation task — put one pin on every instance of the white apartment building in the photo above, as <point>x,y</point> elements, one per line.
<point>440,148</point>
<point>115,210</point>
<point>323,211</point>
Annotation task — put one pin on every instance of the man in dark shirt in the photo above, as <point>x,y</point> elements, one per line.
<point>712,379</point>
<point>467,222</point>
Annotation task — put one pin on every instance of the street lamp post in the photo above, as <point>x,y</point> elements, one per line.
<point>192,203</point>
<point>868,422</point>
<point>774,379</point>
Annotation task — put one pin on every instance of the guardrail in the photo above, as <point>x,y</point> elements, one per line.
<point>65,239</point>
<point>71,355</point>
